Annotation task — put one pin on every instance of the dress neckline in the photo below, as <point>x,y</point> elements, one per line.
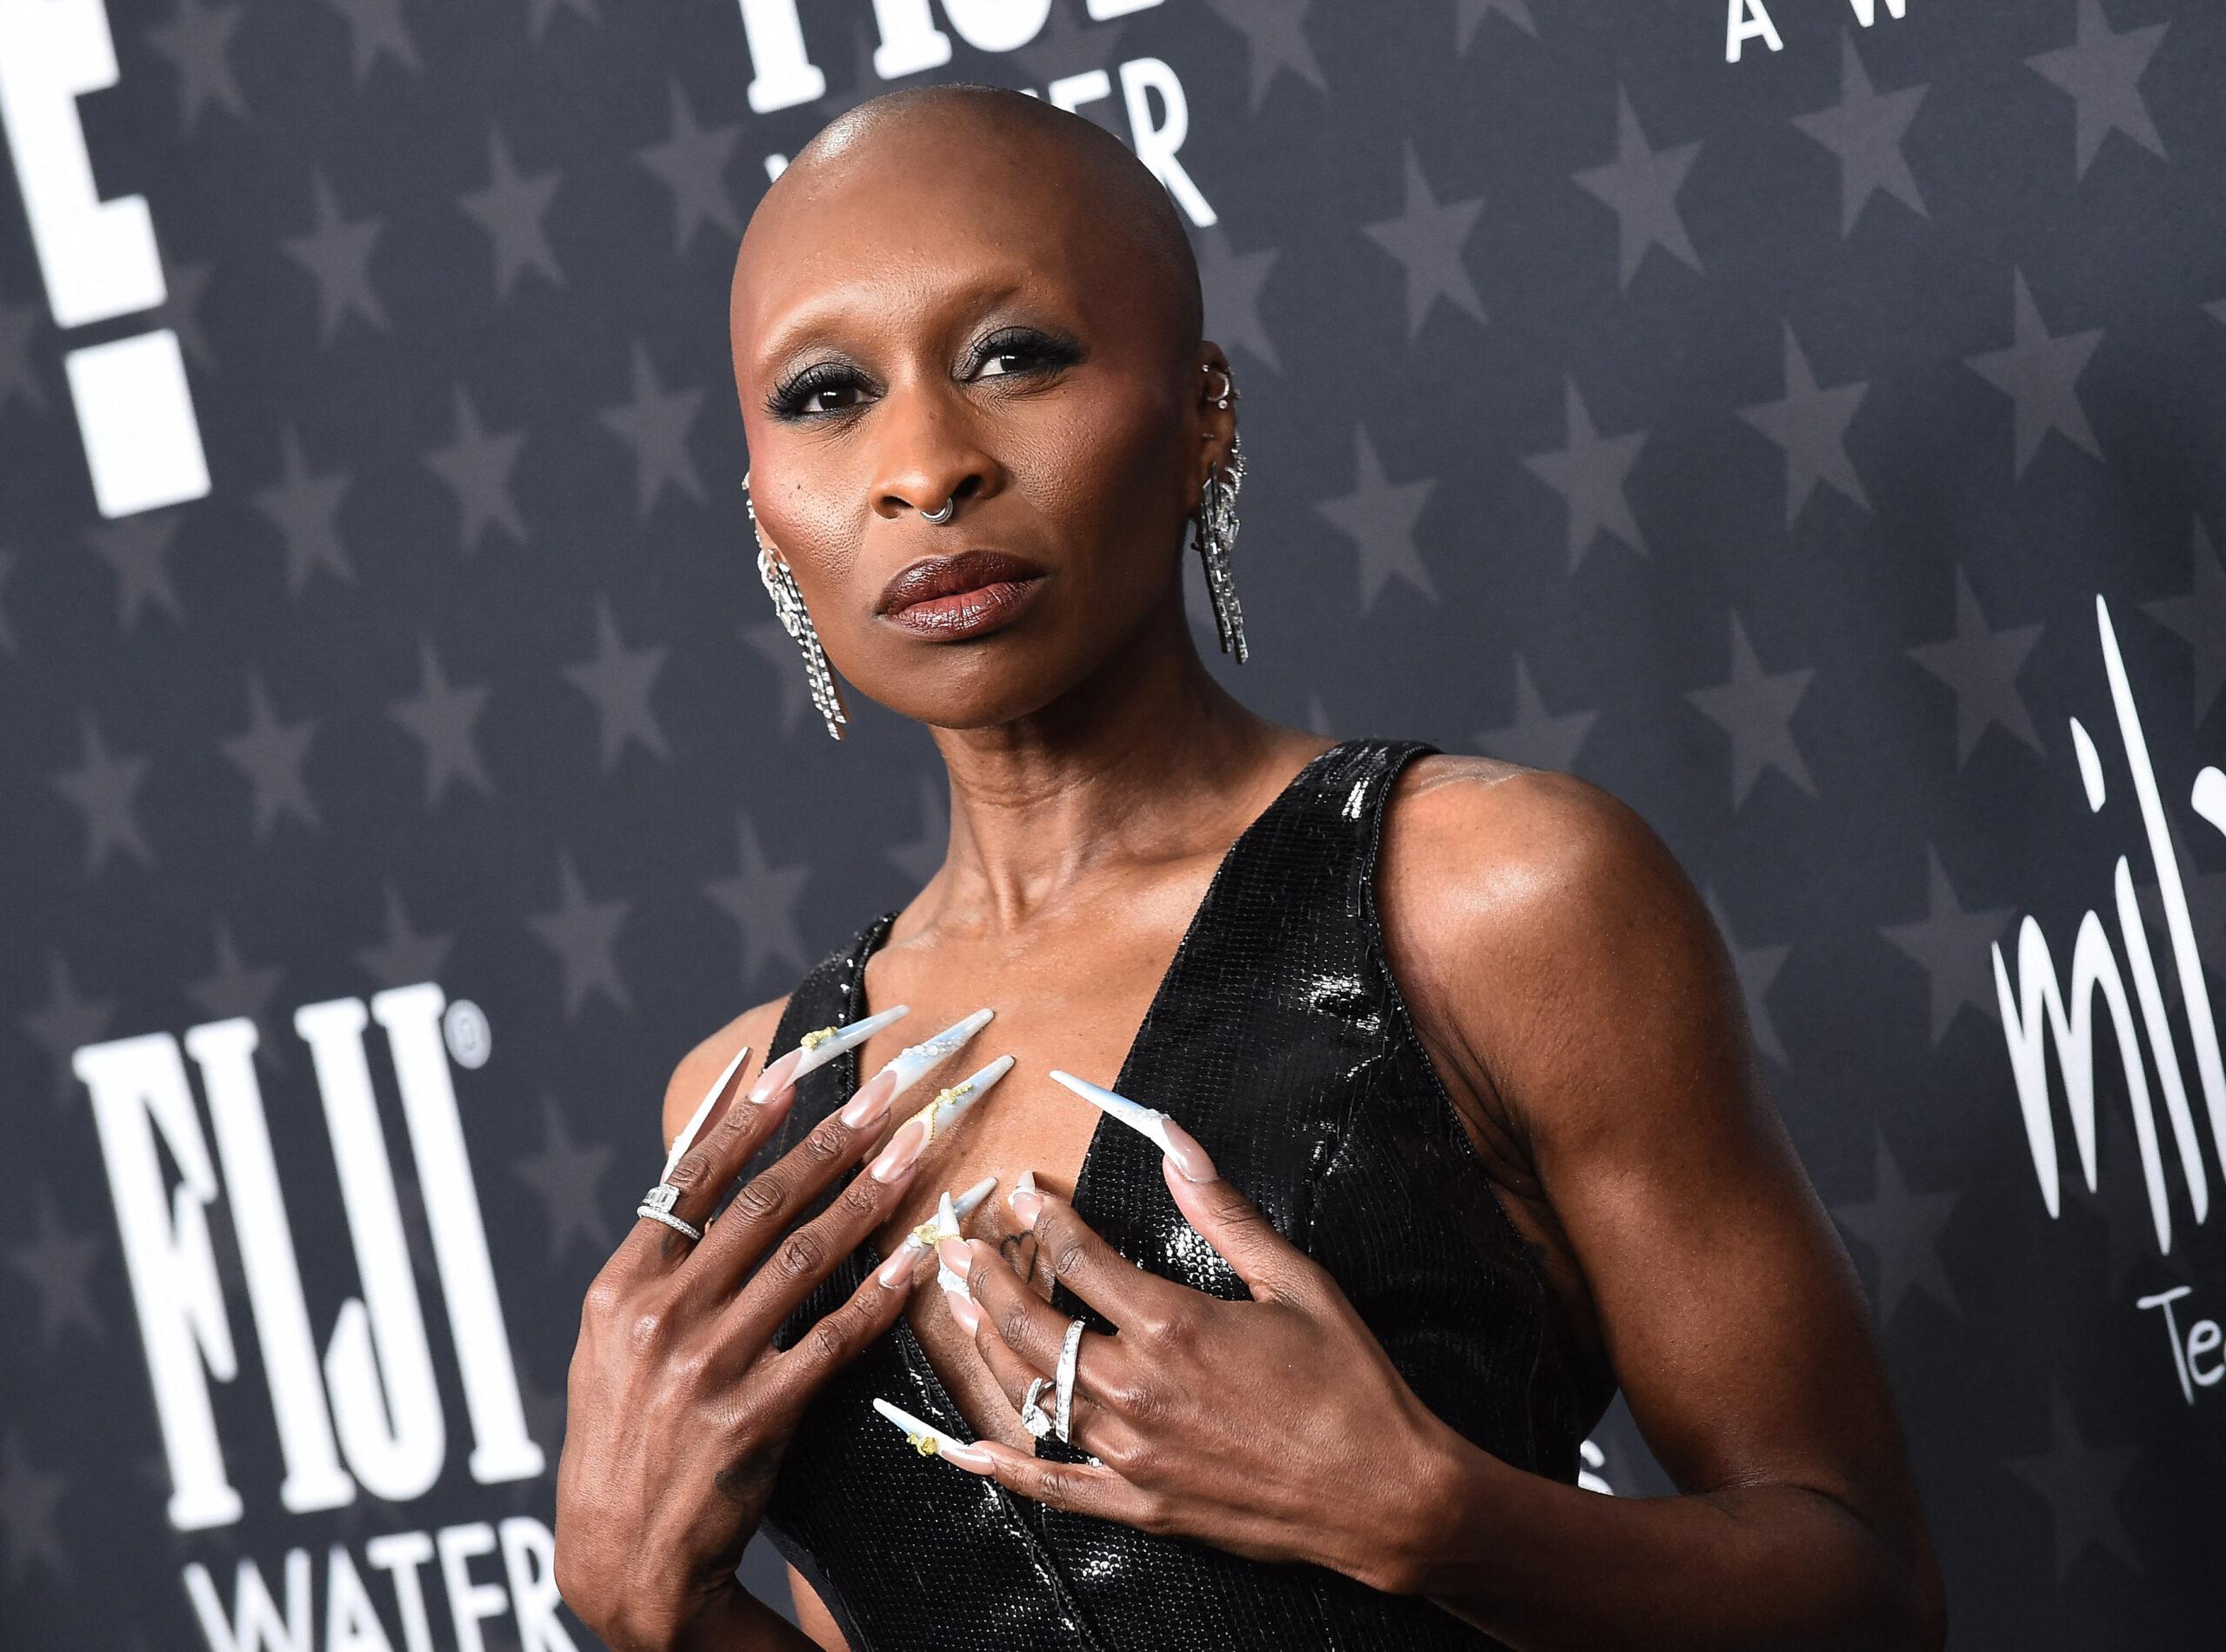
<point>875,935</point>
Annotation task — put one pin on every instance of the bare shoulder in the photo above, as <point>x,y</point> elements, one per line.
<point>700,1066</point>
<point>1536,924</point>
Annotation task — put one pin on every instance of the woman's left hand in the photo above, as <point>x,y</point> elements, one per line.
<point>1277,1428</point>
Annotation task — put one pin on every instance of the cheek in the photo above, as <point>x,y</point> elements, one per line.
<point>1106,479</point>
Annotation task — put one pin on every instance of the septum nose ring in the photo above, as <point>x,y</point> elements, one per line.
<point>943,515</point>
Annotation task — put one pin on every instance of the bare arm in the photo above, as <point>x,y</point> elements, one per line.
<point>1579,987</point>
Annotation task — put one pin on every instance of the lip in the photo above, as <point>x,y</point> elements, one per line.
<point>963,595</point>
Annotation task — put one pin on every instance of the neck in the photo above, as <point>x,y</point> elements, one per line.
<point>1148,760</point>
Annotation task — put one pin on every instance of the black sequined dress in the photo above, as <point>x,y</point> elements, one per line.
<point>1279,1039</point>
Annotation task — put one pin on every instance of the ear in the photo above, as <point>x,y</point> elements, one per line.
<point>1216,424</point>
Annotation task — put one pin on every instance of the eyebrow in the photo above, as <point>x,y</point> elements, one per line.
<point>820,318</point>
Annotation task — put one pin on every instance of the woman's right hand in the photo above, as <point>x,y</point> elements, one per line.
<point>678,1406</point>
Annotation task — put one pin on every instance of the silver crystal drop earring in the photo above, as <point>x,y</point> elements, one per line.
<point>795,620</point>
<point>1216,530</point>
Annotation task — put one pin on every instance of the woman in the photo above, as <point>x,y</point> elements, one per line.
<point>1463,1130</point>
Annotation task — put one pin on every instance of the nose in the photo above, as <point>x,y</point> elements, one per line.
<point>928,453</point>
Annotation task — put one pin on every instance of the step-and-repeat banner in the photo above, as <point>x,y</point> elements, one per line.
<point>1801,417</point>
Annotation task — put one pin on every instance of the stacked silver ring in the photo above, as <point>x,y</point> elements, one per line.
<point>1064,1380</point>
<point>656,1204</point>
<point>1033,1416</point>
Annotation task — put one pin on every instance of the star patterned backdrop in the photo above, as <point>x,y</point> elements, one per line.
<point>1806,424</point>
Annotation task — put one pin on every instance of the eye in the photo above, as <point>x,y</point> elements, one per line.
<point>816,392</point>
<point>1015,352</point>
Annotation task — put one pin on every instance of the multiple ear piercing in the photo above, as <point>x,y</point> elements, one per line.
<point>1214,533</point>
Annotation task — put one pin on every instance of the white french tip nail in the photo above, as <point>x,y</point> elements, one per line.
<point>1146,1120</point>
<point>970,1201</point>
<point>848,1037</point>
<point>1027,1182</point>
<point>916,1062</point>
<point>926,1438</point>
<point>686,1139</point>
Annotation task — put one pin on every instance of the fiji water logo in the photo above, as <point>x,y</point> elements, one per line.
<point>365,1409</point>
<point>2038,1011</point>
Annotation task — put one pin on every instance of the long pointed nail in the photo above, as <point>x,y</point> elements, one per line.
<point>1026,1200</point>
<point>956,1257</point>
<point>936,1116</point>
<point>916,1062</point>
<point>897,1271</point>
<point>970,1201</point>
<point>932,1442</point>
<point>1171,1138</point>
<point>686,1139</point>
<point>963,1309</point>
<point>871,1101</point>
<point>815,1049</point>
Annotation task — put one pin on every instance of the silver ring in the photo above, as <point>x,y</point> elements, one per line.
<point>948,505</point>
<point>656,1204</point>
<point>1063,1383</point>
<point>1033,1416</point>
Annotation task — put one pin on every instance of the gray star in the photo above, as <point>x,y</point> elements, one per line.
<point>7,631</point>
<point>1232,281</point>
<point>582,933</point>
<point>235,990</point>
<point>775,646</point>
<point>28,1502</point>
<point>1318,717</point>
<point>1981,665</point>
<point>1865,131</point>
<point>1810,424</point>
<point>135,549</point>
<point>509,209</point>
<point>271,754</point>
<point>922,857</point>
<point>655,425</point>
<point>618,680</point>
<point>1903,1230</point>
<point>180,310</point>
<point>1379,516</point>
<point>1755,708</point>
<point>2081,1483</point>
<point>2200,618</point>
<point>1590,474</point>
<point>1472,14</point>
<point>2040,373</point>
<point>1952,945</point>
<point>195,40</point>
<point>2102,73</point>
<point>65,1024</point>
<point>1538,738</point>
<point>441,718</point>
<point>376,29</point>
<point>1064,47</point>
<point>478,467</point>
<point>692,164</point>
<point>1756,968</point>
<point>1427,239</point>
<point>59,1265</point>
<point>338,253</point>
<point>1641,184</point>
<point>306,509</point>
<point>405,958</point>
<point>18,323</point>
<point>104,786</point>
<point>1275,31</point>
<point>2216,310</point>
<point>567,1176</point>
<point>541,11</point>
<point>762,900</point>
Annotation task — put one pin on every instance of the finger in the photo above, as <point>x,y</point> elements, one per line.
<point>1269,1264</point>
<point>790,1378</point>
<point>1125,1294</point>
<point>1079,1487</point>
<point>1009,1312</point>
<point>724,1131</point>
<point>1089,1425</point>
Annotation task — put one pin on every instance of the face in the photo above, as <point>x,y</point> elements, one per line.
<point>947,315</point>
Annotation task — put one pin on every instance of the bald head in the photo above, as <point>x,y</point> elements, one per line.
<point>1034,143</point>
